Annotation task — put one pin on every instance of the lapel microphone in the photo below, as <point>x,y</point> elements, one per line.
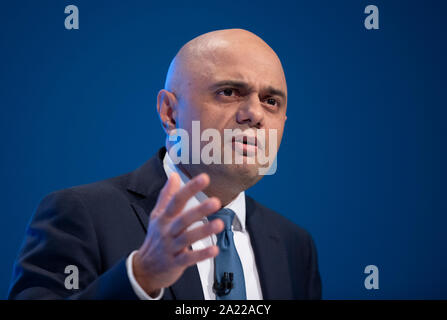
<point>223,287</point>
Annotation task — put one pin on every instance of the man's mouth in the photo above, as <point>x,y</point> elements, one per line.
<point>246,140</point>
<point>246,145</point>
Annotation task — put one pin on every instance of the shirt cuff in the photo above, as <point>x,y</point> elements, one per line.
<point>141,294</point>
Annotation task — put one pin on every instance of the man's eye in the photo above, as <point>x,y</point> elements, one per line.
<point>272,101</point>
<point>226,92</point>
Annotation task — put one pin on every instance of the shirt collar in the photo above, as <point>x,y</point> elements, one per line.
<point>237,205</point>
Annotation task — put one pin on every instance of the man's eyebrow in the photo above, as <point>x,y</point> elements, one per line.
<point>276,92</point>
<point>243,85</point>
<point>230,83</point>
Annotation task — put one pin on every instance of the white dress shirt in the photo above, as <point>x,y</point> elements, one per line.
<point>206,267</point>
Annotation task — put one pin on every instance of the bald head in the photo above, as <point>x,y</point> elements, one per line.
<point>226,79</point>
<point>198,56</point>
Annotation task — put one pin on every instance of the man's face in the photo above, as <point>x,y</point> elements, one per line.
<point>237,86</point>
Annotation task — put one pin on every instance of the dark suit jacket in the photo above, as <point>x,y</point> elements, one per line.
<point>96,226</point>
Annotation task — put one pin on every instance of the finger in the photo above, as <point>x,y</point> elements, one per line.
<point>178,201</point>
<point>191,257</point>
<point>185,219</point>
<point>170,188</point>
<point>189,237</point>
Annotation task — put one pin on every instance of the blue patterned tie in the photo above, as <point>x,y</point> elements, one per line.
<point>227,264</point>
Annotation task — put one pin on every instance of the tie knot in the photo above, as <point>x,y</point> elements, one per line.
<point>227,216</point>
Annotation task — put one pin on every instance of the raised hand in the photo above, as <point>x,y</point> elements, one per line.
<point>165,253</point>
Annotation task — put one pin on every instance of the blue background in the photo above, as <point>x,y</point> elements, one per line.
<point>362,163</point>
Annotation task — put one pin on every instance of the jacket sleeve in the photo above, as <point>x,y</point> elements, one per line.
<point>61,234</point>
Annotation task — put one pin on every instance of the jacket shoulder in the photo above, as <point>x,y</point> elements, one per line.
<point>111,189</point>
<point>284,225</point>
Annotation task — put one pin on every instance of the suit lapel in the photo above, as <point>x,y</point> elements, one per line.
<point>270,254</point>
<point>146,182</point>
<point>188,287</point>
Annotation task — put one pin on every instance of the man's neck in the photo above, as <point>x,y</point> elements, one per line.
<point>219,187</point>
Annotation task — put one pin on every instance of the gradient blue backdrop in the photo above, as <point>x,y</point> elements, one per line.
<point>362,163</point>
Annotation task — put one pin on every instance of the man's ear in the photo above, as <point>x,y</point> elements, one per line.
<point>167,109</point>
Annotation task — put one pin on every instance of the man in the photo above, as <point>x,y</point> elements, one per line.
<point>194,235</point>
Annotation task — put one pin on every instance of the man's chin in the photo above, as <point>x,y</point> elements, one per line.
<point>246,174</point>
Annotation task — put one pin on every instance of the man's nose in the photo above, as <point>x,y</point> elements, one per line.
<point>251,112</point>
